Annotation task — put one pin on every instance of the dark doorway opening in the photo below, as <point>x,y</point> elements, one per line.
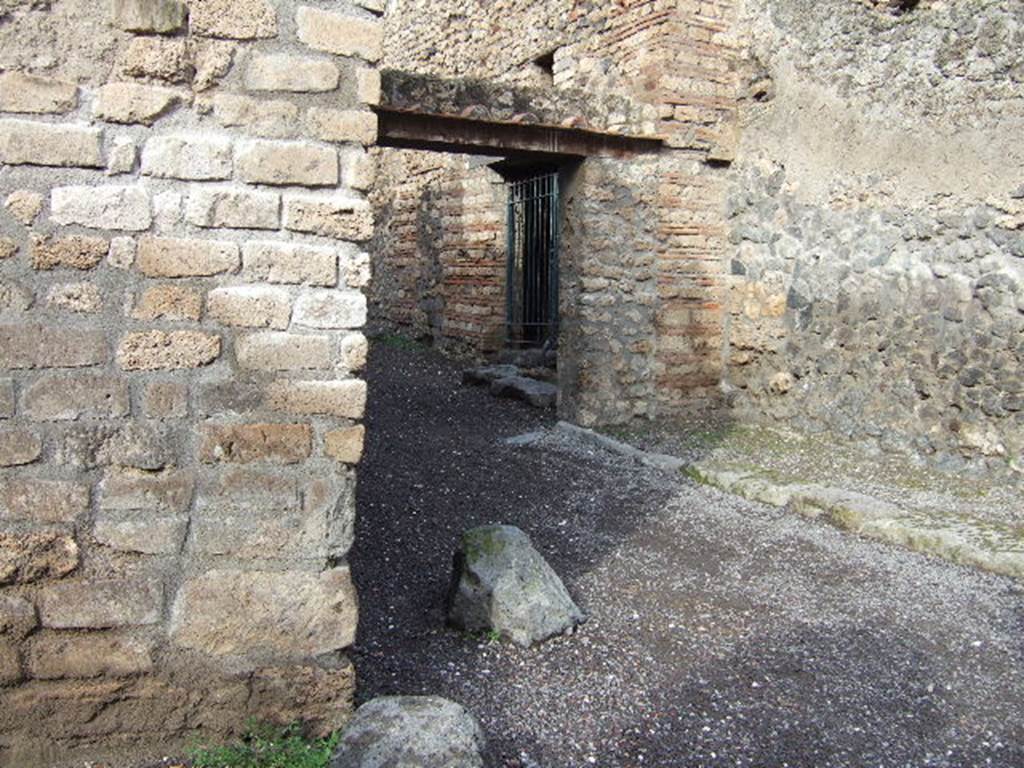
<point>534,231</point>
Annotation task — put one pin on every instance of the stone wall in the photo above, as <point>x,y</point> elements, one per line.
<point>876,225</point>
<point>644,234</point>
<point>181,288</point>
<point>439,270</point>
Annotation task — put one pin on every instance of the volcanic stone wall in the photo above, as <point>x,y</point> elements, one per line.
<point>181,291</point>
<point>642,276</point>
<point>876,225</point>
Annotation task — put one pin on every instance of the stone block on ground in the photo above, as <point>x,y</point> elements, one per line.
<point>501,583</point>
<point>539,394</point>
<point>486,374</point>
<point>425,731</point>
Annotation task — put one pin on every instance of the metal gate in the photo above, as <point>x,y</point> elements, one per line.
<point>533,238</point>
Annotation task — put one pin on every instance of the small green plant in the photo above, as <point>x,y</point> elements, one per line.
<point>397,341</point>
<point>267,746</point>
<point>493,636</point>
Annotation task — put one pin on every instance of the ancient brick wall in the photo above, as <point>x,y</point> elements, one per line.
<point>876,225</point>
<point>181,291</point>
<point>667,245</point>
<point>440,250</point>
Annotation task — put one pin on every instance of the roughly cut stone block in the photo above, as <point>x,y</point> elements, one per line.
<point>143,534</point>
<point>191,157</point>
<point>24,205</point>
<point>283,352</point>
<point>160,16</point>
<point>17,616</point>
<point>73,252</point>
<point>340,33</point>
<point>290,264</point>
<point>18,447</point>
<point>360,168</point>
<point>345,445</point>
<point>354,349</point>
<point>173,257</point>
<point>345,398</point>
<point>368,86</point>
<point>56,656</point>
<point>342,125</point>
<point>165,400</point>
<point>309,692</point>
<point>213,60</point>
<point>410,730</point>
<point>331,309</point>
<point>41,346</point>
<point>168,302</point>
<point>122,253</point>
<point>7,248</point>
<point>250,306</point>
<point>10,663</point>
<point>122,156</point>
<point>76,297</point>
<point>157,58</point>
<point>269,118</point>
<point>253,614</point>
<point>43,501</point>
<point>23,142</point>
<point>298,74</point>
<point>128,491</point>
<point>501,583</point>
<point>100,604</point>
<point>344,218</point>
<point>167,350</point>
<point>134,444</point>
<point>20,92</point>
<point>234,209</point>
<point>257,531</point>
<point>287,162</point>
<point>133,103</point>
<point>15,297</point>
<point>233,19</point>
<point>108,207</point>
<point>244,443</point>
<point>539,394</point>
<point>59,397</point>
<point>32,557</point>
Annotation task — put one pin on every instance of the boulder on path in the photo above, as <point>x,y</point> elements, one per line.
<point>410,732</point>
<point>539,394</point>
<point>501,583</point>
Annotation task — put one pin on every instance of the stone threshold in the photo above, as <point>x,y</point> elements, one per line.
<point>957,538</point>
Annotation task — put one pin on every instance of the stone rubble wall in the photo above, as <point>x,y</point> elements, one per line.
<point>656,242</point>
<point>876,225</point>
<point>182,284</point>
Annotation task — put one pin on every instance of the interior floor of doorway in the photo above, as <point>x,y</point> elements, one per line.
<point>720,631</point>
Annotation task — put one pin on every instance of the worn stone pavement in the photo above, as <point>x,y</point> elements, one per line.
<point>721,632</point>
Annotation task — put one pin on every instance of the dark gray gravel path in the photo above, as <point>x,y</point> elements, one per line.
<point>721,632</point>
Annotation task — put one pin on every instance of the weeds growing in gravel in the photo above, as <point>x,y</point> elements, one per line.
<point>267,746</point>
<point>398,341</point>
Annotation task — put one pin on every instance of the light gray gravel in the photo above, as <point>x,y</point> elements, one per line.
<point>721,632</point>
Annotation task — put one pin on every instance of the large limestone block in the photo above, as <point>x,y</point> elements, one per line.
<point>339,33</point>
<point>337,216</point>
<point>250,306</point>
<point>193,157</point>
<point>20,92</point>
<point>100,604</point>
<point>290,264</point>
<point>296,74</point>
<point>331,309</point>
<point>108,207</point>
<point>19,447</point>
<point>73,252</point>
<point>24,142</point>
<point>245,443</point>
<point>167,350</point>
<point>160,16</point>
<point>63,398</point>
<point>272,351</point>
<point>233,208</point>
<point>177,257</point>
<point>31,557</point>
<point>133,103</point>
<point>269,118</point>
<point>56,656</point>
<point>51,346</point>
<point>254,615</point>
<point>287,163</point>
<point>345,398</point>
<point>411,731</point>
<point>501,583</point>
<point>43,501</point>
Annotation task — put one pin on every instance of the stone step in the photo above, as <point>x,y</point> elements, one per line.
<point>539,394</point>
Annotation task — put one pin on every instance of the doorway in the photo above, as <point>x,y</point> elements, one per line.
<point>534,230</point>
